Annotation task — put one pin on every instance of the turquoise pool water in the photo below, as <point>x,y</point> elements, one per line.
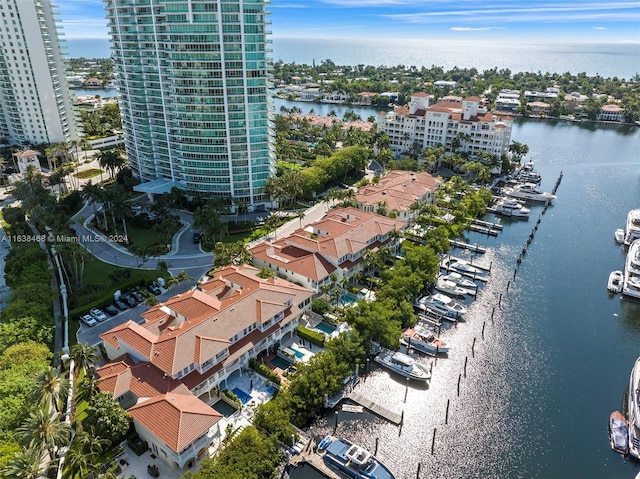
<point>326,327</point>
<point>280,363</point>
<point>299,354</point>
<point>347,298</point>
<point>223,408</point>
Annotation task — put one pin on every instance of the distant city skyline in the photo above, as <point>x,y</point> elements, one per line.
<point>584,21</point>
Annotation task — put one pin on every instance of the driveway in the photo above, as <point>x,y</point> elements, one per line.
<point>91,335</point>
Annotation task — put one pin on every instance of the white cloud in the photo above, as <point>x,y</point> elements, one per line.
<point>600,28</point>
<point>478,29</point>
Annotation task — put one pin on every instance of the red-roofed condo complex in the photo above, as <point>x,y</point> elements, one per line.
<point>430,126</point>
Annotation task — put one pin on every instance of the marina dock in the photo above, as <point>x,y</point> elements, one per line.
<point>375,408</point>
<point>314,460</point>
<point>471,247</point>
<point>482,229</point>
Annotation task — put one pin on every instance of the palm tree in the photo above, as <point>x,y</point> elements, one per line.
<point>43,428</point>
<point>84,355</point>
<point>83,455</point>
<point>300,215</point>
<point>86,388</point>
<point>183,276</point>
<point>29,463</point>
<point>51,388</point>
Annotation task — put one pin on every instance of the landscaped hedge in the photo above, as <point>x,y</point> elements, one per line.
<point>231,395</point>
<point>264,370</point>
<point>312,336</point>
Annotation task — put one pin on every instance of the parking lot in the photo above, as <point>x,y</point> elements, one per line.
<point>91,335</point>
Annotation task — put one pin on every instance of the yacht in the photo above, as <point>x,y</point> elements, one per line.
<point>403,364</point>
<point>529,192</point>
<point>441,304</point>
<point>460,280</point>
<point>423,340</point>
<point>354,461</point>
<point>619,432</point>
<point>634,410</point>
<point>464,267</point>
<point>510,207</point>
<point>451,288</point>
<point>633,227</point>
<point>631,281</point>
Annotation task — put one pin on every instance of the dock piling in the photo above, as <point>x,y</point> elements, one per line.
<point>459,378</point>
<point>499,299</point>
<point>465,365</point>
<point>446,414</point>
<point>473,347</point>
<point>375,449</point>
<point>418,471</point>
<point>406,390</point>
<point>433,441</point>
<point>335,424</point>
<point>483,325</point>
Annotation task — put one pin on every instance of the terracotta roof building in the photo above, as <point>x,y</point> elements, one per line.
<point>190,344</point>
<point>398,191</point>
<point>426,126</point>
<point>335,244</point>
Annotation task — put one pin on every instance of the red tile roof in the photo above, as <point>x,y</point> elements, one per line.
<point>175,419</point>
<point>398,190</point>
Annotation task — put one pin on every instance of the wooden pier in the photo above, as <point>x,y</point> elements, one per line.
<point>482,229</point>
<point>487,224</point>
<point>314,460</point>
<point>471,247</point>
<point>375,408</point>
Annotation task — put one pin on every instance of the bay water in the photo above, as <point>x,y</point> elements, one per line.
<point>548,351</point>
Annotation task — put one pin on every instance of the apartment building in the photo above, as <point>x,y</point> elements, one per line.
<point>459,127</point>
<point>35,103</point>
<point>194,80</point>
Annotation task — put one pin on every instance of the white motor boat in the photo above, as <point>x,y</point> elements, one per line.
<point>441,304</point>
<point>460,280</point>
<point>403,364</point>
<point>614,285</point>
<point>423,340</point>
<point>634,410</point>
<point>529,192</point>
<point>619,235</point>
<point>631,277</point>
<point>464,267</point>
<point>451,288</point>
<point>510,208</point>
<point>633,227</point>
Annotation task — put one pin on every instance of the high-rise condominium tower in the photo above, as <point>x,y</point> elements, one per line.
<point>193,78</point>
<point>35,105</point>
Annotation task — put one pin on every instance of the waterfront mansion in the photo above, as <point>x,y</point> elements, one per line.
<point>336,244</point>
<point>165,370</point>
<point>422,125</point>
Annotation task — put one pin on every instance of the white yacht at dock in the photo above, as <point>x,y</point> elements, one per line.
<point>403,364</point>
<point>510,208</point>
<point>634,410</point>
<point>441,304</point>
<point>631,282</point>
<point>633,227</point>
<point>529,192</point>
<point>423,340</point>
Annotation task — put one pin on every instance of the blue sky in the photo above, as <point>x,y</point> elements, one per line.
<point>500,20</point>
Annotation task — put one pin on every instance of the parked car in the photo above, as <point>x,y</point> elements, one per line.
<point>137,296</point>
<point>120,305</point>
<point>88,320</point>
<point>128,300</point>
<point>197,237</point>
<point>153,288</point>
<point>111,310</point>
<point>99,315</point>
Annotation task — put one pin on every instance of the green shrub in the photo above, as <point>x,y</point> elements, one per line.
<point>231,395</point>
<point>314,337</point>
<point>320,305</point>
<point>264,370</point>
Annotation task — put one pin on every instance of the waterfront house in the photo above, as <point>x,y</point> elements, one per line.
<point>193,344</point>
<point>398,191</point>
<point>539,108</point>
<point>335,245</point>
<point>611,112</point>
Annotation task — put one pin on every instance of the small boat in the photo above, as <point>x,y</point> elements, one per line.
<point>423,340</point>
<point>619,235</point>
<point>441,304</point>
<point>614,285</point>
<point>451,288</point>
<point>403,364</point>
<point>633,405</point>
<point>354,461</point>
<point>618,432</point>
<point>460,280</point>
<point>322,445</point>
<point>529,192</point>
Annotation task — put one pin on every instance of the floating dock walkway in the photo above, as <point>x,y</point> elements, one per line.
<point>375,408</point>
<point>471,247</point>
<point>314,460</point>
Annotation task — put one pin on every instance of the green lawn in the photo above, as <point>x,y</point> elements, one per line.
<point>90,173</point>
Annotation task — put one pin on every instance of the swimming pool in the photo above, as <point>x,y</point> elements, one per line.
<point>223,408</point>
<point>299,354</point>
<point>243,396</point>
<point>348,299</point>
<point>326,327</point>
<point>280,363</point>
